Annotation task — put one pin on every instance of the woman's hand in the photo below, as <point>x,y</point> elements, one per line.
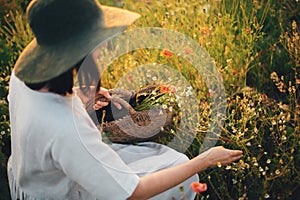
<point>220,155</point>
<point>100,104</point>
<point>90,93</point>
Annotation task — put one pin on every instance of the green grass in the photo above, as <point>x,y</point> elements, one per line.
<point>255,46</point>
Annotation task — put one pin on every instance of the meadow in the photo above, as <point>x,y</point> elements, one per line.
<point>255,47</point>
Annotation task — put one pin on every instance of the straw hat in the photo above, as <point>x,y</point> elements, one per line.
<point>65,32</point>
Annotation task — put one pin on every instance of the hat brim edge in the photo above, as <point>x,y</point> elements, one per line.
<point>41,63</point>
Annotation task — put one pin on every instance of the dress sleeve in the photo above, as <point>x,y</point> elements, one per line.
<point>85,159</point>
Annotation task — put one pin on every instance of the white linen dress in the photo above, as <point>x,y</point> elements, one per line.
<point>57,153</point>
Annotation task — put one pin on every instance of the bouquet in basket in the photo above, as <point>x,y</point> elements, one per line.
<point>147,114</point>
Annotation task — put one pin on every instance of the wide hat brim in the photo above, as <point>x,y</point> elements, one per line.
<point>40,63</point>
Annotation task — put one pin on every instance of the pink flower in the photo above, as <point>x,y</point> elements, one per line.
<point>129,78</point>
<point>188,51</point>
<point>198,187</point>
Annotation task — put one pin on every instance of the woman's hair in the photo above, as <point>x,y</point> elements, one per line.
<point>64,83</point>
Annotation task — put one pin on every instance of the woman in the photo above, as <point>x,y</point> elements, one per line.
<point>57,152</point>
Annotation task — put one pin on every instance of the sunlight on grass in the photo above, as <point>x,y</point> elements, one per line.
<point>240,36</point>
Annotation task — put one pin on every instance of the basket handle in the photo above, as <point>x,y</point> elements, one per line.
<point>124,103</point>
<point>121,92</point>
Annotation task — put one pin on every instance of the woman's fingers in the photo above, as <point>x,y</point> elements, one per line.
<point>106,94</point>
<point>220,155</point>
<point>233,155</point>
<point>236,153</point>
<point>100,104</point>
<point>235,158</point>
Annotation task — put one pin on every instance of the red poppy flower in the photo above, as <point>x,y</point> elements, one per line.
<point>198,187</point>
<point>204,30</point>
<point>235,72</point>
<point>165,88</point>
<point>264,97</point>
<point>166,53</point>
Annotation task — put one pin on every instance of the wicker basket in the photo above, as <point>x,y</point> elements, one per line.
<point>128,125</point>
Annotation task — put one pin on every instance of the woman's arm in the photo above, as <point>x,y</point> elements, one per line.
<point>153,184</point>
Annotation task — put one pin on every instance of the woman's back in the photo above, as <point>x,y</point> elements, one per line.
<point>53,143</point>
